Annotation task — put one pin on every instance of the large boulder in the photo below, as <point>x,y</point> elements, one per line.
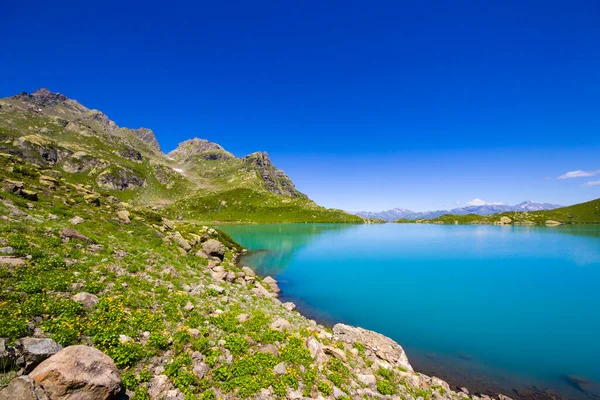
<point>35,350</point>
<point>214,248</point>
<point>23,388</point>
<point>88,300</point>
<point>78,373</point>
<point>384,347</point>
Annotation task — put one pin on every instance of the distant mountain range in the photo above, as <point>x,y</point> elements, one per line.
<point>396,213</point>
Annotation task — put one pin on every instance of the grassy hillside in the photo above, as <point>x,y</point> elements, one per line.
<point>583,213</point>
<point>48,130</point>
<point>249,205</point>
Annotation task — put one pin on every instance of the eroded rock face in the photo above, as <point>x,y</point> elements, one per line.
<point>275,180</point>
<point>385,348</point>
<point>78,373</point>
<point>119,179</point>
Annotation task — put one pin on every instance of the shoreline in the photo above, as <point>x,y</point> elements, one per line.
<point>476,383</point>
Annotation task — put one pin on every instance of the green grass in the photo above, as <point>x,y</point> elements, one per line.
<point>248,205</point>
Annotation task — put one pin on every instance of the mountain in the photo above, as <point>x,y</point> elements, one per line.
<point>198,180</point>
<point>583,213</point>
<point>403,213</point>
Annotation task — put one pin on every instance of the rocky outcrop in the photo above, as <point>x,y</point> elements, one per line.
<point>275,181</point>
<point>384,347</point>
<point>42,98</point>
<point>147,136</point>
<point>214,248</point>
<point>116,178</point>
<point>196,146</point>
<point>38,150</point>
<point>78,373</point>
<point>82,162</point>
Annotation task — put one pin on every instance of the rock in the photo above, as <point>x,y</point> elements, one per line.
<point>87,299</point>
<point>367,379</point>
<point>117,178</point>
<point>243,318</point>
<point>123,216</point>
<point>12,261</point>
<point>248,271</point>
<point>68,233</point>
<point>230,276</point>
<point>281,324</point>
<point>387,349</point>
<point>168,224</point>
<point>261,291</point>
<point>337,392</point>
<point>49,181</point>
<point>218,289</point>
<point>7,250</point>
<point>269,349</point>
<point>188,306</point>
<point>112,200</point>
<point>92,199</point>
<point>553,223</point>
<point>214,248</point>
<point>76,221</point>
<point>28,194</point>
<point>159,386</point>
<point>200,369</point>
<point>335,352</point>
<point>36,350</point>
<point>184,244</point>
<point>272,283</point>
<point>23,388</point>
<point>6,357</point>
<point>78,373</point>
<point>289,306</point>
<point>315,349</point>
<point>279,368</point>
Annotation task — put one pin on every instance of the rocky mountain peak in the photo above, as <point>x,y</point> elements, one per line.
<point>275,180</point>
<point>196,146</point>
<point>43,97</point>
<point>147,136</point>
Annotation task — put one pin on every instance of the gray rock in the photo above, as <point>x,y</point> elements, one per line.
<point>269,349</point>
<point>337,392</point>
<point>289,306</point>
<point>367,379</point>
<point>218,289</point>
<point>200,369</point>
<point>76,221</point>
<point>281,324</point>
<point>87,299</point>
<point>36,350</point>
<point>78,373</point>
<point>316,350</point>
<point>279,368</point>
<point>188,306</point>
<point>7,250</point>
<point>123,216</point>
<point>68,234</point>
<point>214,248</point>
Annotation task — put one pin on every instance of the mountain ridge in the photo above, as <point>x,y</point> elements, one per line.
<point>482,210</point>
<point>50,130</point>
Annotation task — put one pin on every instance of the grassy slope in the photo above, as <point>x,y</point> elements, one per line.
<point>248,205</point>
<point>583,213</point>
<point>202,183</point>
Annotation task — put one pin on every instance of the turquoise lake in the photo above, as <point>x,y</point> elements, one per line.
<point>492,308</point>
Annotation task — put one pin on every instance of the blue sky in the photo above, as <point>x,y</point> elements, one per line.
<point>366,105</point>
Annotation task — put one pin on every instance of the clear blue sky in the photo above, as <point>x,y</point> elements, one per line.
<point>366,105</point>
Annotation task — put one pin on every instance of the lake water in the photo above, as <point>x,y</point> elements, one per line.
<point>493,308</point>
